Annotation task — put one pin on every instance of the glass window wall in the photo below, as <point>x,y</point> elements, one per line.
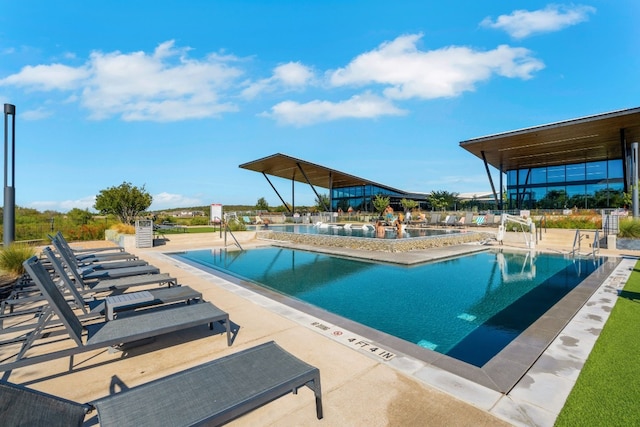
<point>583,185</point>
<point>556,174</point>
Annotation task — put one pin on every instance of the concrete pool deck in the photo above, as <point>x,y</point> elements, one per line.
<point>360,387</point>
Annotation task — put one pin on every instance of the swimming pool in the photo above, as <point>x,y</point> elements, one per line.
<point>468,307</point>
<point>358,230</point>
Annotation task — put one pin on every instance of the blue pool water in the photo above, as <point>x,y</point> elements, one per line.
<point>469,308</point>
<point>358,230</point>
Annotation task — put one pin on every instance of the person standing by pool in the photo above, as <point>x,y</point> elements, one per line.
<point>380,229</point>
<point>388,211</point>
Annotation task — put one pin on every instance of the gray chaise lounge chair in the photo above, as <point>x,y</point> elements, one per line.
<point>114,333</point>
<point>22,406</point>
<point>92,307</point>
<point>96,263</point>
<point>81,251</point>
<point>106,285</point>
<point>209,394</point>
<point>435,219</point>
<point>88,273</point>
<point>91,256</point>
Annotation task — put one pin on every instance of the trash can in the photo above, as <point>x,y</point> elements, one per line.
<point>144,233</point>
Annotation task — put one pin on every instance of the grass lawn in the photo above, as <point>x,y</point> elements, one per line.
<point>607,392</point>
<point>189,230</point>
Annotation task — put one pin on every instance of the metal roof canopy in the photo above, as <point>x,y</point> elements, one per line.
<point>592,138</point>
<point>287,167</point>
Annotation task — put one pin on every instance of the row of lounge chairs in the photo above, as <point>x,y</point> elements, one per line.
<point>68,296</point>
<point>469,219</point>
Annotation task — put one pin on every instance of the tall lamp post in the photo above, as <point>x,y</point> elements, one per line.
<point>634,174</point>
<point>9,224</point>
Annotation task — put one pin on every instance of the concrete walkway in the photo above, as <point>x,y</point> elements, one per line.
<point>359,387</point>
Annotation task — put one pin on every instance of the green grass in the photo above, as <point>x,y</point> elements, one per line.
<point>607,392</point>
<point>189,230</point>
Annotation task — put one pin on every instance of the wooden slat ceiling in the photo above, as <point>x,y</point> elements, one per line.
<point>286,167</point>
<point>573,141</point>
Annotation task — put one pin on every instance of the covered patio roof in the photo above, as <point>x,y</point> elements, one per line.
<point>283,166</point>
<point>592,138</point>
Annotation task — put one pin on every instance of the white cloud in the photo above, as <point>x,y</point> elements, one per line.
<point>293,74</point>
<point>411,73</point>
<point>37,114</point>
<point>64,205</point>
<point>148,87</point>
<point>523,23</point>
<point>289,76</point>
<point>169,201</point>
<point>362,106</point>
<point>169,85</point>
<point>163,86</point>
<point>47,77</point>
<point>160,201</point>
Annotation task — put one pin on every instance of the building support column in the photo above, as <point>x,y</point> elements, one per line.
<point>493,187</point>
<point>311,185</point>
<point>330,191</point>
<point>274,189</point>
<point>625,161</point>
<point>501,192</point>
<point>293,192</point>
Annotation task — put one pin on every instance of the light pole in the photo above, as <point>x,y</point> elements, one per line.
<point>9,224</point>
<point>634,174</point>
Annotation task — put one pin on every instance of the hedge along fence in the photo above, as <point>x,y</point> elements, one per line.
<point>572,222</point>
<point>39,231</point>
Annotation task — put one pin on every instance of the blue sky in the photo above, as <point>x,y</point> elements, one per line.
<point>174,96</point>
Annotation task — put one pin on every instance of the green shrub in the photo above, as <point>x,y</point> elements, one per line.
<point>629,228</point>
<point>235,225</point>
<point>574,222</point>
<point>12,257</point>
<point>86,232</point>
<point>199,220</point>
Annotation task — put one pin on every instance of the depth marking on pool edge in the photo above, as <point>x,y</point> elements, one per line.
<point>353,341</point>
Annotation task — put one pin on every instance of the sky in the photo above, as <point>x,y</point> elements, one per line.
<point>174,96</point>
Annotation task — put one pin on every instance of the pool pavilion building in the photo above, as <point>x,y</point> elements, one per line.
<point>587,163</point>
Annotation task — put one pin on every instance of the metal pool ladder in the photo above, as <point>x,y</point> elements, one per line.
<point>227,229</point>
<point>595,246</point>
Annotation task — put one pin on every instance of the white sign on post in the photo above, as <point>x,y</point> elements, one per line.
<point>216,213</point>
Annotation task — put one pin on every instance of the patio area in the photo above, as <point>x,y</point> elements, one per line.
<point>359,388</point>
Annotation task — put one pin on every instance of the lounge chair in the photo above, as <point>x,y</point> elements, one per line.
<point>213,393</point>
<point>479,221</point>
<point>465,220</point>
<point>112,285</point>
<point>491,219</point>
<point>79,251</point>
<point>96,262</point>
<point>450,220</point>
<point>88,256</point>
<point>435,219</point>
<point>113,333</point>
<point>92,272</point>
<point>91,307</point>
<point>22,406</point>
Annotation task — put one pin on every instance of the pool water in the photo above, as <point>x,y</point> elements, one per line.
<point>469,307</point>
<point>356,230</point>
